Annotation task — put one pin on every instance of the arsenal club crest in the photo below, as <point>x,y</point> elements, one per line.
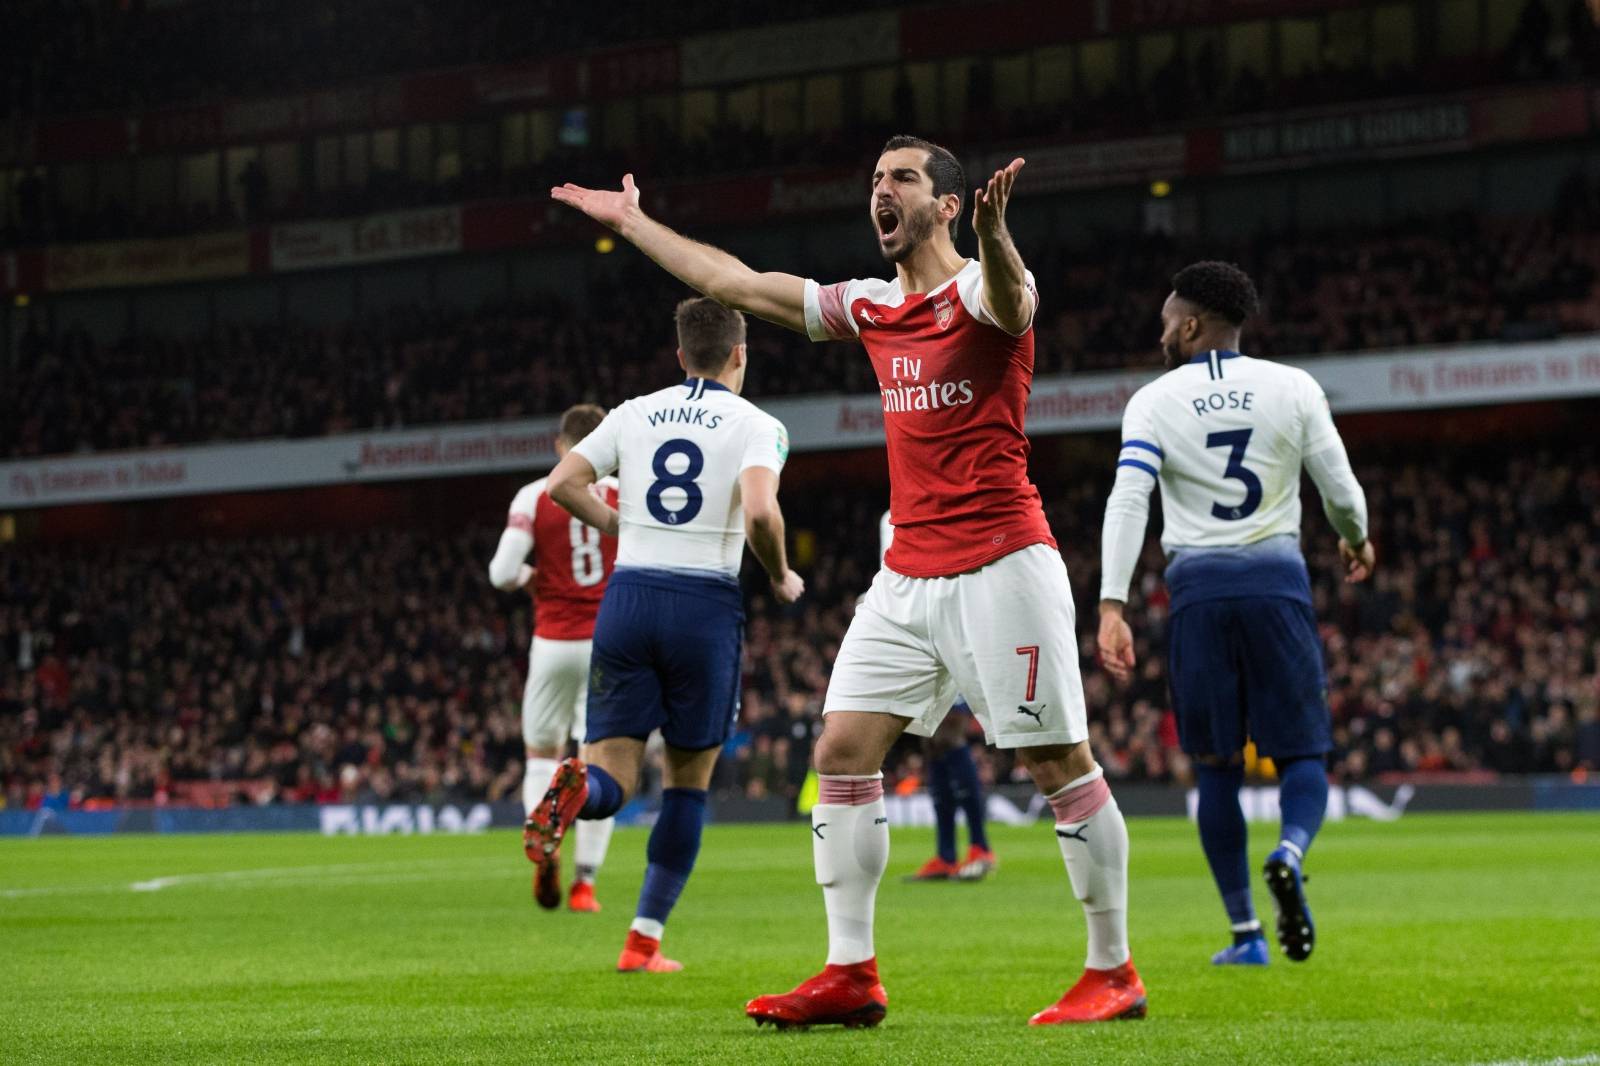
<point>943,312</point>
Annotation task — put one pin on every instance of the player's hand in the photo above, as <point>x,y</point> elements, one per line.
<point>989,202</point>
<point>1358,562</point>
<point>791,588</point>
<point>1116,645</point>
<point>605,206</point>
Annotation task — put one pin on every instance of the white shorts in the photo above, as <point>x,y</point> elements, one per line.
<point>557,692</point>
<point>1003,636</point>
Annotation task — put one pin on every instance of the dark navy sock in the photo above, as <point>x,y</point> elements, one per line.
<point>1225,840</point>
<point>674,843</point>
<point>1302,799</point>
<point>968,789</point>
<point>942,793</point>
<point>605,795</point>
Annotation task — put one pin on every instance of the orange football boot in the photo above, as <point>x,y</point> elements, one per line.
<point>1099,996</point>
<point>549,822</point>
<point>581,898</point>
<point>935,869</point>
<point>849,995</point>
<point>642,954</point>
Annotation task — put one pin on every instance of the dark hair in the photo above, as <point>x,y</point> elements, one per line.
<point>1221,288</point>
<point>707,334</point>
<point>944,170</point>
<point>579,421</point>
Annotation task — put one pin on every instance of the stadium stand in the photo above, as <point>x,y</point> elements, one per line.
<point>338,667</point>
<point>1333,291</point>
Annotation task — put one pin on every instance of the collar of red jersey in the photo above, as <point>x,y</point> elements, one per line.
<point>1220,353</point>
<point>699,386</point>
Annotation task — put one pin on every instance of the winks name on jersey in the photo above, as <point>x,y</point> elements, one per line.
<point>955,389</point>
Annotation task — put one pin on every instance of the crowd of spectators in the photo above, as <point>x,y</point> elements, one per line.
<point>1452,280</point>
<point>382,666</point>
<point>204,49</point>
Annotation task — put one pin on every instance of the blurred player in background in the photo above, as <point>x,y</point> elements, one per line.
<point>973,596</point>
<point>953,785</point>
<point>571,564</point>
<point>1226,436</point>
<point>698,467</point>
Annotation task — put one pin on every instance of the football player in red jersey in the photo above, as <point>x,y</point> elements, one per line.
<point>572,563</point>
<point>973,596</point>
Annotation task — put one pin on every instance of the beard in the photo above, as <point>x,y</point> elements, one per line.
<point>1173,355</point>
<point>915,228</point>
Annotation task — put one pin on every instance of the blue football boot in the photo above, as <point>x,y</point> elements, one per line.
<point>1251,952</point>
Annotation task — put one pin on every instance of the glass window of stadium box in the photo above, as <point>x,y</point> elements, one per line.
<point>200,177</point>
<point>1248,48</point>
<point>922,85</point>
<point>514,140</point>
<point>325,168</point>
<point>780,107</point>
<point>357,159</point>
<point>1152,53</point>
<point>1501,26</point>
<point>1012,82</point>
<point>1394,36</point>
<point>659,114</point>
<point>281,166</point>
<point>114,193</point>
<point>1299,47</point>
<point>419,153</point>
<point>157,180</point>
<point>875,88</point>
<point>699,113</point>
<point>954,81</point>
<point>824,103</point>
<point>1100,62</point>
<point>1347,39</point>
<point>742,106</point>
<point>74,188</point>
<point>1052,75</point>
<point>1460,28</point>
<point>386,151</point>
<point>541,134</point>
<point>619,125</point>
<point>446,152</point>
<point>240,174</point>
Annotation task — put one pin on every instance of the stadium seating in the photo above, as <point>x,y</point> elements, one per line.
<point>382,665</point>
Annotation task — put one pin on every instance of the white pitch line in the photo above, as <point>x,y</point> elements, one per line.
<point>333,873</point>
<point>1581,1060</point>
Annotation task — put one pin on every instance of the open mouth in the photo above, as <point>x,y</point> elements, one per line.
<point>888,222</point>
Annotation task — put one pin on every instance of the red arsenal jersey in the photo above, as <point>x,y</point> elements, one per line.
<point>954,387</point>
<point>573,561</point>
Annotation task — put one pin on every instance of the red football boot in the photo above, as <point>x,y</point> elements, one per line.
<point>1099,996</point>
<point>979,863</point>
<point>850,996</point>
<point>642,954</point>
<point>581,898</point>
<point>542,832</point>
<point>935,869</point>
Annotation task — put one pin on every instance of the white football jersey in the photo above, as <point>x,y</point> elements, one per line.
<point>1226,435</point>
<point>678,454</point>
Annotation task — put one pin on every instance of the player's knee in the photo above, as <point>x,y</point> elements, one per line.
<point>840,751</point>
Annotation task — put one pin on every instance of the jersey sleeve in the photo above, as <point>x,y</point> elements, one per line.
<point>828,311</point>
<point>1141,443</point>
<point>602,447</point>
<point>982,313</point>
<point>520,517</point>
<point>767,445</point>
<point>1318,432</point>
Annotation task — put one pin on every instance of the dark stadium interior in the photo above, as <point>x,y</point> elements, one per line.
<point>337,644</point>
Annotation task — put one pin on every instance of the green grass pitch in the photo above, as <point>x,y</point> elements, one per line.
<point>1444,939</point>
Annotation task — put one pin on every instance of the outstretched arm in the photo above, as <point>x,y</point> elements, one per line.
<point>1005,281</point>
<point>778,298</point>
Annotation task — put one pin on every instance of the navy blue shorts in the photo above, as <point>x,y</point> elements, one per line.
<point>1249,669</point>
<point>666,656</point>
